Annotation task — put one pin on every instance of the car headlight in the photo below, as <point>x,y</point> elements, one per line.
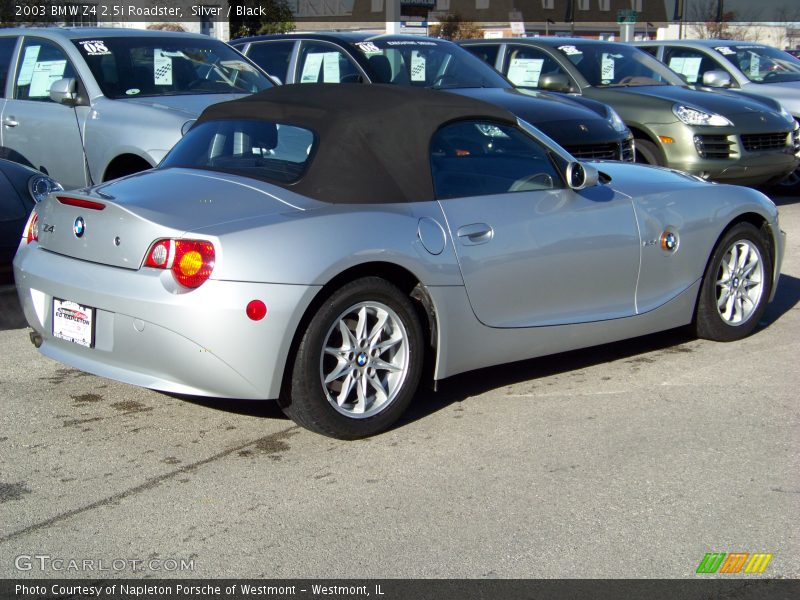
<point>695,116</point>
<point>616,121</point>
<point>40,186</point>
<point>787,115</point>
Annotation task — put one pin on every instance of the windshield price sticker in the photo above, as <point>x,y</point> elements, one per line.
<point>94,47</point>
<point>724,50</point>
<point>570,50</point>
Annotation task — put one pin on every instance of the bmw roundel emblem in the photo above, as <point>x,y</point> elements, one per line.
<point>79,228</point>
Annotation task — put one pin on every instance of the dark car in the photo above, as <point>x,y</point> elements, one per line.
<point>586,128</point>
<point>722,136</point>
<point>20,189</point>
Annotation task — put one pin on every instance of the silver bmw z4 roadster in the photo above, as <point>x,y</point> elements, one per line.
<point>329,245</point>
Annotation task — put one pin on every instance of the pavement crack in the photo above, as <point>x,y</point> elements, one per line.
<point>147,485</point>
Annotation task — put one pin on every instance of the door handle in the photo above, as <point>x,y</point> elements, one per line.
<point>10,122</point>
<point>474,234</point>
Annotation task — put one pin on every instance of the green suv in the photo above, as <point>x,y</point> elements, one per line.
<point>722,136</point>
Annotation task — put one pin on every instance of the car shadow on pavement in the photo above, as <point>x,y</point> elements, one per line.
<point>474,383</point>
<point>461,387</point>
<point>784,200</point>
<point>11,316</point>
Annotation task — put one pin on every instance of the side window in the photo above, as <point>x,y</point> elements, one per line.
<point>273,57</point>
<point>525,66</point>
<point>692,64</point>
<point>487,54</point>
<point>475,158</point>
<point>325,63</point>
<point>40,64</point>
<point>7,45</point>
<point>651,50</point>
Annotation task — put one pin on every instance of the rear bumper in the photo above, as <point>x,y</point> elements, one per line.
<point>198,342</point>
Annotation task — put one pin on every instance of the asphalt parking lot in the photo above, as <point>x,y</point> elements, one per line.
<point>629,460</point>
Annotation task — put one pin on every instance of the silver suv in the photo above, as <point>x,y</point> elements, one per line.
<point>88,105</point>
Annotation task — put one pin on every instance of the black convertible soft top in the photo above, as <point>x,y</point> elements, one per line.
<point>373,140</point>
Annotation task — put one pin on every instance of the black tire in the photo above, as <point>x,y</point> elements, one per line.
<point>311,401</point>
<point>790,185</point>
<point>648,153</point>
<point>710,322</point>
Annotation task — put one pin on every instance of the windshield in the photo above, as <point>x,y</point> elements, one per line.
<point>608,65</point>
<point>428,63</point>
<point>762,64</point>
<point>127,67</point>
<point>253,148</point>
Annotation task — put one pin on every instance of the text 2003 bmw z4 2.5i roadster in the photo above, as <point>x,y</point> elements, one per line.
<point>323,244</point>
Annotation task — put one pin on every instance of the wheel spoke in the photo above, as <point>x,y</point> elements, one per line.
<point>378,328</point>
<point>348,341</point>
<point>726,307</point>
<point>386,344</point>
<point>347,385</point>
<point>342,368</point>
<point>385,366</point>
<point>361,326</point>
<point>380,392</point>
<point>726,274</point>
<point>750,267</point>
<point>361,393</point>
<point>725,293</point>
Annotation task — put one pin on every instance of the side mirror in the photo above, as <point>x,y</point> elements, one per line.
<point>557,82</point>
<point>580,176</point>
<point>64,91</point>
<point>717,79</point>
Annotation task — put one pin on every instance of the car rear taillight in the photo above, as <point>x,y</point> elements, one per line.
<point>32,230</point>
<point>191,261</point>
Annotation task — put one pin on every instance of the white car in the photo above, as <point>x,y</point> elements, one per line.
<point>88,105</point>
<point>735,65</point>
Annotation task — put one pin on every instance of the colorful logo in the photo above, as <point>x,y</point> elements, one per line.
<point>734,562</point>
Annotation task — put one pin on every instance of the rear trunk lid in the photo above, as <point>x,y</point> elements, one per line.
<point>115,223</point>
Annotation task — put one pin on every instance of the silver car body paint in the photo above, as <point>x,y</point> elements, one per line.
<point>51,133</point>
<point>494,302</point>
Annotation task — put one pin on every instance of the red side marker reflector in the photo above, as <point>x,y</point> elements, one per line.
<point>81,203</point>
<point>256,310</point>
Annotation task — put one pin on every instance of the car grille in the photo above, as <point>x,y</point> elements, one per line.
<point>713,146</point>
<point>627,152</point>
<point>611,151</point>
<point>764,141</point>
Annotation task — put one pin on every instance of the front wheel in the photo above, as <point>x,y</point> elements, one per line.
<point>358,363</point>
<point>736,286</point>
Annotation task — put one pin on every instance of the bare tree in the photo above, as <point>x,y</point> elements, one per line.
<point>709,24</point>
<point>451,27</point>
<point>166,27</point>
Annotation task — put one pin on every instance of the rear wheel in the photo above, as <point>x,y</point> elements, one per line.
<point>736,285</point>
<point>359,361</point>
<point>790,185</point>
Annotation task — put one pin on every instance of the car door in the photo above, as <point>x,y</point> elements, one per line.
<point>46,135</point>
<point>532,252</point>
<point>8,45</point>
